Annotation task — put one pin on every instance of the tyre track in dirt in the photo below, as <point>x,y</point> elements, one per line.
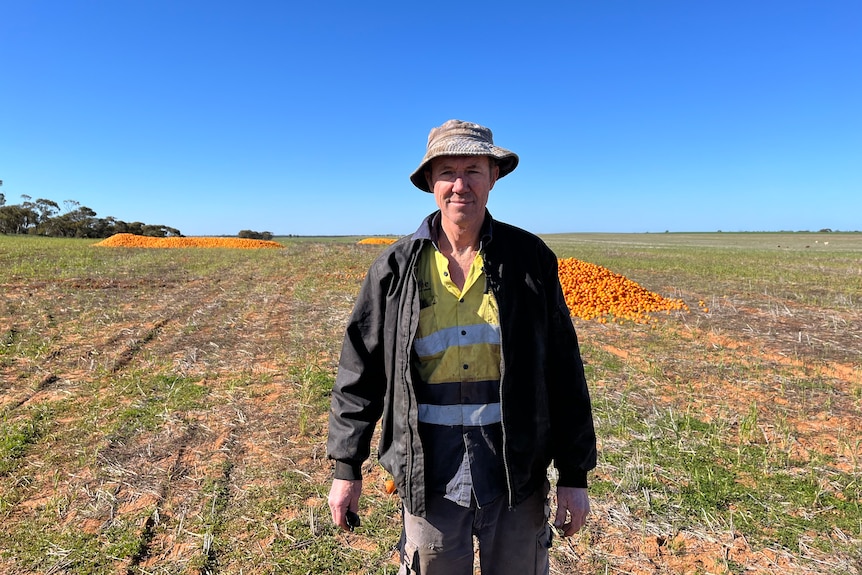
<point>44,385</point>
<point>148,531</point>
<point>145,478</point>
<point>151,310</point>
<point>179,528</point>
<point>191,508</point>
<point>145,486</point>
<point>18,390</point>
<point>61,365</point>
<point>264,445</point>
<point>134,346</point>
<point>203,452</point>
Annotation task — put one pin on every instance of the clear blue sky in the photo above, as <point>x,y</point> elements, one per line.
<point>307,117</point>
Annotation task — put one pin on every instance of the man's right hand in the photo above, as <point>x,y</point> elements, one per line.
<point>343,497</point>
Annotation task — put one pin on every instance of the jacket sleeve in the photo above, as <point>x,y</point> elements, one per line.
<point>573,433</point>
<point>357,396</point>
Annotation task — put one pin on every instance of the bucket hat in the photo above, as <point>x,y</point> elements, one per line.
<point>457,138</point>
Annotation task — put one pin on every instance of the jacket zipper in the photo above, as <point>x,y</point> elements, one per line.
<point>407,380</point>
<point>495,289</point>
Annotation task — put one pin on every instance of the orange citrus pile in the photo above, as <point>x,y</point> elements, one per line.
<point>595,292</point>
<point>377,241</point>
<point>135,241</point>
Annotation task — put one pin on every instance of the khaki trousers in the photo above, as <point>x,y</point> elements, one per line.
<point>510,541</point>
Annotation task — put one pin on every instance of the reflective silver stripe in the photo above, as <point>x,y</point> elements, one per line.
<point>442,339</point>
<point>484,414</point>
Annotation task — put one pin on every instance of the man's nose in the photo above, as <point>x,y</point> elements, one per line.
<point>459,185</point>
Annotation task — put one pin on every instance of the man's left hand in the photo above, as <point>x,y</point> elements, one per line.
<point>576,502</point>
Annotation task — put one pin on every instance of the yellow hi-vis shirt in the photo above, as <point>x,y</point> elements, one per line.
<point>458,347</point>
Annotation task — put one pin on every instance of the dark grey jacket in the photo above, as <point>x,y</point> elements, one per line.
<point>546,412</point>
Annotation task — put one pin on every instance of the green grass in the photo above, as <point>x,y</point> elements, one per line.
<point>731,263</point>
<point>677,468</point>
<point>314,385</point>
<point>174,402</point>
<point>145,401</point>
<point>19,435</point>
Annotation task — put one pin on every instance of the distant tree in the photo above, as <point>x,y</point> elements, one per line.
<point>153,231</point>
<point>252,235</point>
<point>43,218</point>
<point>116,227</point>
<point>77,223</point>
<point>16,219</point>
<point>81,222</point>
<point>106,227</point>
<point>159,231</point>
<point>46,209</point>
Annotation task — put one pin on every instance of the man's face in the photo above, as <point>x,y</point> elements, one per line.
<point>461,185</point>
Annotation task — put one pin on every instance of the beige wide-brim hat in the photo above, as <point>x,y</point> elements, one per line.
<point>457,138</point>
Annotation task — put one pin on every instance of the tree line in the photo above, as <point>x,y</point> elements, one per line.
<point>45,218</point>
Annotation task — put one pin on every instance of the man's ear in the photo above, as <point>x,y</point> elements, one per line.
<point>428,179</point>
<point>495,174</point>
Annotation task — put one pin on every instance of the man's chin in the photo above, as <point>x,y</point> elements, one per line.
<point>461,212</point>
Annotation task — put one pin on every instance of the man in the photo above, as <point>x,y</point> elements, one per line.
<point>461,341</point>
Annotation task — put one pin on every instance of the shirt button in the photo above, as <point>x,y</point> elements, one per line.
<point>466,366</point>
<point>463,332</point>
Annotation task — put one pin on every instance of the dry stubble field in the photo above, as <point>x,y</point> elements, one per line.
<point>163,411</point>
